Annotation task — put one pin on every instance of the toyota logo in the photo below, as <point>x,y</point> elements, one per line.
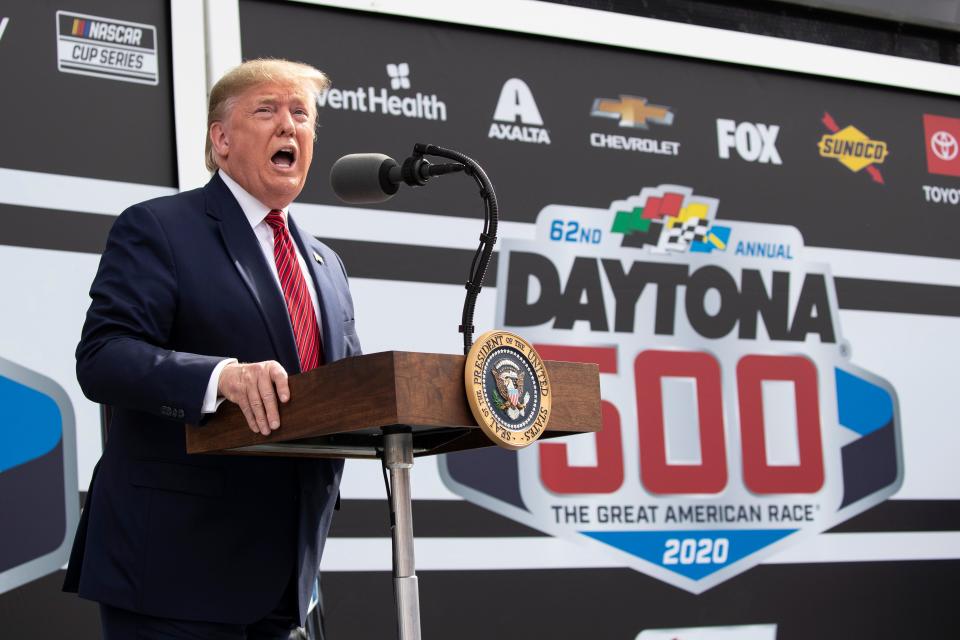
<point>943,145</point>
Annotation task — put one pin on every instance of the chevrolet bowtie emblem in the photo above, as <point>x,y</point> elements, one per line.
<point>318,257</point>
<point>631,111</point>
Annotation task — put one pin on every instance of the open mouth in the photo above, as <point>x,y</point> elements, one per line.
<point>284,158</point>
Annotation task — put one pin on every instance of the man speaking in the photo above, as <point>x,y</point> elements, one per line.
<point>206,296</point>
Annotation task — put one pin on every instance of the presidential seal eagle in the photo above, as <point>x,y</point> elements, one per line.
<point>510,396</point>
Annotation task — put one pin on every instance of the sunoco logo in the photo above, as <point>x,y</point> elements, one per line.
<point>734,422</point>
<point>517,117</point>
<point>852,148</point>
<point>371,99</point>
<point>106,48</point>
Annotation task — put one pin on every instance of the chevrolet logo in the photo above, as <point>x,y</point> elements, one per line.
<point>632,111</point>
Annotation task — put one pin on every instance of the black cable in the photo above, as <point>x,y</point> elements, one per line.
<point>386,484</point>
<point>481,259</point>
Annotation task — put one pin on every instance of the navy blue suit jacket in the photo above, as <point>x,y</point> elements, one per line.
<point>183,283</point>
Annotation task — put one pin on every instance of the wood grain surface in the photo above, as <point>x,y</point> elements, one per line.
<point>349,401</point>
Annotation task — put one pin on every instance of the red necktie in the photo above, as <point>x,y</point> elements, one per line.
<point>295,292</point>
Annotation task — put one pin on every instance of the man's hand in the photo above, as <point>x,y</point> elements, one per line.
<point>255,387</point>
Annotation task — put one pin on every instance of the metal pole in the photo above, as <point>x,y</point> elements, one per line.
<point>398,458</point>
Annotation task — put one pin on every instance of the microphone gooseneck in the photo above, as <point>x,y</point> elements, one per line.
<point>368,178</point>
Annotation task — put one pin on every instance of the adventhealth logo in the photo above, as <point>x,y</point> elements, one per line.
<point>380,100</point>
<point>516,103</point>
<point>399,75</point>
<point>753,141</point>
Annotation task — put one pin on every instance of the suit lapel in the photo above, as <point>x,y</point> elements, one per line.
<point>248,259</point>
<point>331,311</point>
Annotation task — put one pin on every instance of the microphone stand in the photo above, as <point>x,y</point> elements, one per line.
<point>415,171</point>
<point>397,453</point>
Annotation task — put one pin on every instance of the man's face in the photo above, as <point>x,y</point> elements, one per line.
<point>266,142</point>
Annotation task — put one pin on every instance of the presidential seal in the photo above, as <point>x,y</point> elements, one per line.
<point>507,389</point>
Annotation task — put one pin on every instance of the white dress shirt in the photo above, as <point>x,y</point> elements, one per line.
<point>256,213</point>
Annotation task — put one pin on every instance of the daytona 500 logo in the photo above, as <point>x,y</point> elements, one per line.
<point>734,423</point>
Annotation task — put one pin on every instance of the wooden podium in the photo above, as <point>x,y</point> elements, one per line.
<point>392,405</point>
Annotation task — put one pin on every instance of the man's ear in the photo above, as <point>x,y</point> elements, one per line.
<point>219,139</point>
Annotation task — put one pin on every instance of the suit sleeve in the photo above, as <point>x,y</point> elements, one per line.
<point>122,358</point>
<point>351,338</point>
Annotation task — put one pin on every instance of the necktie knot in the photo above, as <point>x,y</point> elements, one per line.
<point>275,220</point>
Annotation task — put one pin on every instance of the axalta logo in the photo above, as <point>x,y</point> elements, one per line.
<point>734,423</point>
<point>371,99</point>
<point>517,117</point>
<point>943,151</point>
<point>632,112</point>
<point>753,141</point>
<point>106,48</point>
<point>3,25</point>
<point>852,148</point>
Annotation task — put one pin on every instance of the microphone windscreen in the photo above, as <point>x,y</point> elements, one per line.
<point>363,178</point>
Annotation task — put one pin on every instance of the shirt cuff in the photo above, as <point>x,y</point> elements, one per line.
<point>211,401</point>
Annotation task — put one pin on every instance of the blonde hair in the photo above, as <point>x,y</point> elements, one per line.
<point>250,74</point>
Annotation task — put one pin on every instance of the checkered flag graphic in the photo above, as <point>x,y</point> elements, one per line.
<point>680,236</point>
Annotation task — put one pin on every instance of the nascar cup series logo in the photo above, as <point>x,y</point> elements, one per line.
<point>508,389</point>
<point>107,48</point>
<point>734,422</point>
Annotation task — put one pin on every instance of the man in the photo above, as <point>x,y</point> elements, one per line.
<point>212,295</point>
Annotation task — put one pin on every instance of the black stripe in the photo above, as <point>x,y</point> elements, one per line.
<point>902,297</point>
<point>40,228</point>
<point>876,600</point>
<point>52,229</point>
<point>382,261</point>
<point>449,266</point>
<point>828,601</point>
<point>905,515</point>
<point>461,519</point>
<point>431,519</point>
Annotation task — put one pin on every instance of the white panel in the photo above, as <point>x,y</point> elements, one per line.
<point>223,37</point>
<point>50,289</point>
<point>69,193</point>
<point>484,554</point>
<point>681,421</point>
<point>189,91</point>
<point>917,355</point>
<point>780,423</point>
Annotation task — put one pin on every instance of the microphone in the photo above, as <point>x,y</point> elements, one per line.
<point>368,178</point>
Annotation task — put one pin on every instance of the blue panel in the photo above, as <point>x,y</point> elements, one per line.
<point>862,406</point>
<point>724,547</point>
<point>31,425</point>
<point>722,233</point>
<point>869,464</point>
